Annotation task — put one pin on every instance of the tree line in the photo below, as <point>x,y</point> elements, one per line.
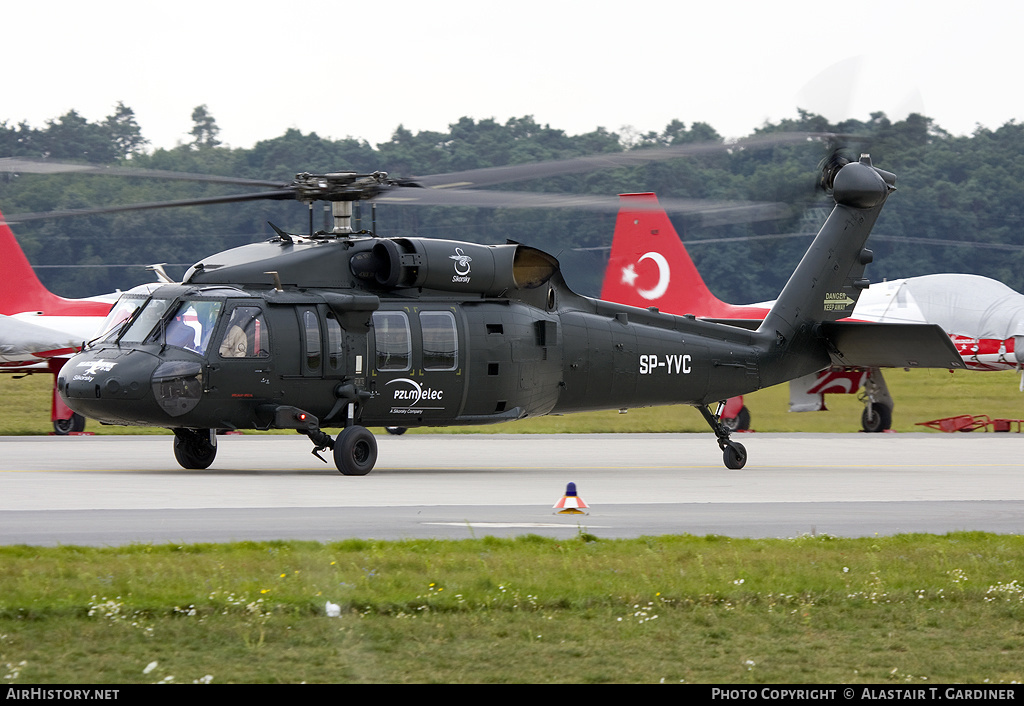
<point>957,208</point>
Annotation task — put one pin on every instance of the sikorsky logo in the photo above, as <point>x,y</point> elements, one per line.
<point>96,366</point>
<point>462,268</point>
<point>412,393</point>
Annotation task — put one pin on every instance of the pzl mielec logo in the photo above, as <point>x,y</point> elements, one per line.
<point>462,268</point>
<point>412,393</point>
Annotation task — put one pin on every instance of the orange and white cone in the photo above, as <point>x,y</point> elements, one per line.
<point>571,503</point>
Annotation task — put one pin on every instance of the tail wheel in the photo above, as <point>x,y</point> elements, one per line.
<point>355,451</point>
<point>735,455</point>
<point>876,418</point>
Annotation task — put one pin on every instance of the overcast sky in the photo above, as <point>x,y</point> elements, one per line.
<point>344,68</point>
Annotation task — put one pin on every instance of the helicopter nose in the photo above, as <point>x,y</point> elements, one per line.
<point>103,384</point>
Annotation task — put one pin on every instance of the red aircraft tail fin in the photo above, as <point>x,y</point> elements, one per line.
<point>21,290</point>
<point>649,266</point>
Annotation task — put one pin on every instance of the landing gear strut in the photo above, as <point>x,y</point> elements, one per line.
<point>733,453</point>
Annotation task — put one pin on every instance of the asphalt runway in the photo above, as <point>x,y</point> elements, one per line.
<point>114,490</point>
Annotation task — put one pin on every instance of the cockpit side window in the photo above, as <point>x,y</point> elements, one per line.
<point>246,335</point>
<point>192,324</point>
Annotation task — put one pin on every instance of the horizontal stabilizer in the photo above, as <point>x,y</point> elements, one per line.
<point>868,344</point>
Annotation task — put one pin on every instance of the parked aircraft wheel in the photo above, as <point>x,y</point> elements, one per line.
<point>876,418</point>
<point>355,451</point>
<point>193,449</point>
<point>396,431</point>
<point>63,427</point>
<point>741,422</point>
<point>735,456</point>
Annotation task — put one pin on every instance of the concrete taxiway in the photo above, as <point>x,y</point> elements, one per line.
<point>111,490</point>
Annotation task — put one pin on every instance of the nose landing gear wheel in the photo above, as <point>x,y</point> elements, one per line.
<point>355,451</point>
<point>876,418</point>
<point>74,423</point>
<point>741,422</point>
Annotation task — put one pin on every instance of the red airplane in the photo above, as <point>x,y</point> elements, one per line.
<point>39,330</point>
<point>649,266</point>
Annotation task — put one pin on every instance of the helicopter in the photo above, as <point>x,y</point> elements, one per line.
<point>347,330</point>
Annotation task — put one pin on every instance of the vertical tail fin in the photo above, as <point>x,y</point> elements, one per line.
<point>649,266</point>
<point>21,290</point>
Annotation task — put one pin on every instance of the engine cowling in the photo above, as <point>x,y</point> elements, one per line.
<point>453,266</point>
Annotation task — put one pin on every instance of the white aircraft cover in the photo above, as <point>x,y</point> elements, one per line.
<point>965,305</point>
<point>22,341</point>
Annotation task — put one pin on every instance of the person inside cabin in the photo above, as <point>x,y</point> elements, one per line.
<point>235,343</point>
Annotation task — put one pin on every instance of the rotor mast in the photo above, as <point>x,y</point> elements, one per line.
<point>341,189</point>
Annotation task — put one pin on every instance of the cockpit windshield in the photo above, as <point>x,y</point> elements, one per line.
<point>145,321</point>
<point>138,318</point>
<point>123,309</point>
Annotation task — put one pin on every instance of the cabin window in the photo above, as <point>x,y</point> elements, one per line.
<point>440,340</point>
<point>393,342</point>
<point>246,335</point>
<point>335,344</point>
<point>311,327</point>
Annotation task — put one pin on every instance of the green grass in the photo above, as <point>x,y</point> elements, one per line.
<point>910,609</point>
<point>921,395</point>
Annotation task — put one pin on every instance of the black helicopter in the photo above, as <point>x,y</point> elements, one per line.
<point>349,330</point>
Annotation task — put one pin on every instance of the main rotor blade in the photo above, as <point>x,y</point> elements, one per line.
<point>16,165</point>
<point>453,186</point>
<point>16,218</point>
<point>714,212</point>
<point>489,176</point>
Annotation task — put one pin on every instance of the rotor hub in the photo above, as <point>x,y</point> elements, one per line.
<point>339,186</point>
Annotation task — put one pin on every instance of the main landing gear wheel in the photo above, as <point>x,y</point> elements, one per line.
<point>355,451</point>
<point>194,448</point>
<point>735,455</point>
<point>876,418</point>
<point>75,423</point>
